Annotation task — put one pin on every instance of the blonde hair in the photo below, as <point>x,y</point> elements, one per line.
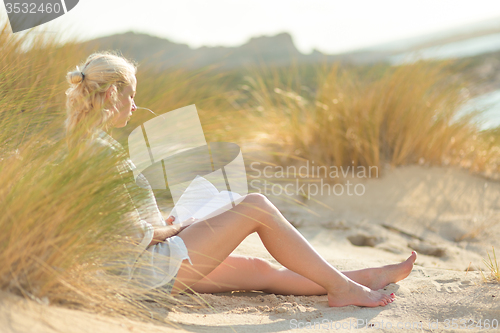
<point>86,97</point>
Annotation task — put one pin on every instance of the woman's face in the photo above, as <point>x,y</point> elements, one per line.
<point>125,105</point>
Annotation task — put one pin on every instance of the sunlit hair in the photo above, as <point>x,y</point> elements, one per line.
<point>86,109</point>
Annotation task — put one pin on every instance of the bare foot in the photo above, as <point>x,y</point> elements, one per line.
<point>381,276</point>
<point>356,294</point>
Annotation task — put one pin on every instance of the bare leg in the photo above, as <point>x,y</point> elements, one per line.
<point>210,242</point>
<point>250,273</point>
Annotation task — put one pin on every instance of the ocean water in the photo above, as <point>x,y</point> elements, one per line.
<point>465,48</point>
<point>490,103</point>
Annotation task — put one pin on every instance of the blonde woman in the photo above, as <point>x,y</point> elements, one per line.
<point>198,257</point>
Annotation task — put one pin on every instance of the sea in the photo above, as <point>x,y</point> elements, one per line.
<point>489,103</point>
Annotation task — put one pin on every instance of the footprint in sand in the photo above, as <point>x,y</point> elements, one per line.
<point>449,286</point>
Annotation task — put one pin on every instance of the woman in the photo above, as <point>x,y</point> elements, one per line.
<point>198,256</point>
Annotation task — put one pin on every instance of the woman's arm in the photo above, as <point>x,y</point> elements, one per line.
<point>162,233</point>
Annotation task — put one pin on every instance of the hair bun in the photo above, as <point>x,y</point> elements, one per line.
<point>74,77</point>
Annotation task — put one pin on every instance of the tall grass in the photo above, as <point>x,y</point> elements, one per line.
<point>60,216</point>
<point>63,217</point>
<point>401,115</point>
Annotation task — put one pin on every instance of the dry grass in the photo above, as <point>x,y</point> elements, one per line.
<point>493,268</point>
<point>60,213</point>
<point>408,114</point>
<point>62,221</point>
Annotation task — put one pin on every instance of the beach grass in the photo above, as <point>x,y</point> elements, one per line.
<point>64,223</point>
<point>493,268</point>
<point>408,114</point>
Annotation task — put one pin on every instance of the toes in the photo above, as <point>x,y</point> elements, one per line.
<point>387,299</point>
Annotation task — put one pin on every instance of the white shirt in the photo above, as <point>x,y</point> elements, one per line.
<point>157,264</point>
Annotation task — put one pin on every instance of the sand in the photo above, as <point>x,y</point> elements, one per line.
<point>450,217</point>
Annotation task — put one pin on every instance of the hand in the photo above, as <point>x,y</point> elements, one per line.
<point>170,220</point>
<point>162,233</point>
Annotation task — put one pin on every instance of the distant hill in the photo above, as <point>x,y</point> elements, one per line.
<point>280,49</point>
<point>272,50</point>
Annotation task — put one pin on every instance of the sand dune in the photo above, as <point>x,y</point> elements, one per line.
<point>449,216</point>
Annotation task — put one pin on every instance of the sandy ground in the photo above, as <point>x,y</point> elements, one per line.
<point>450,217</point>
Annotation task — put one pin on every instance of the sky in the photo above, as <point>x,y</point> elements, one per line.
<point>329,26</point>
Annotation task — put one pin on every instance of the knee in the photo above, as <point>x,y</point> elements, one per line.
<point>266,272</point>
<point>263,211</point>
<point>256,198</point>
<point>260,208</point>
<point>258,201</point>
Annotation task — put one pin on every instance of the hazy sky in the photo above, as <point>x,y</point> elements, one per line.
<point>328,25</point>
